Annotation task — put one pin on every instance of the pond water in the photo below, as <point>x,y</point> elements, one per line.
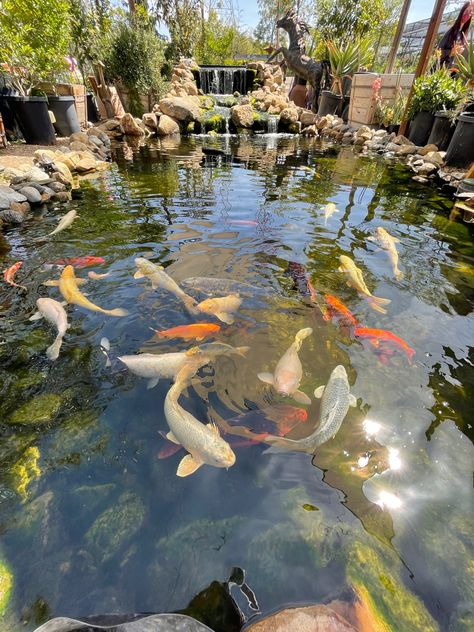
<point>93,517</point>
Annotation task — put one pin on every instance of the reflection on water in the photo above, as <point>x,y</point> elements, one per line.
<point>94,518</point>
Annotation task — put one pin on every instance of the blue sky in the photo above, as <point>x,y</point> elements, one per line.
<point>249,11</point>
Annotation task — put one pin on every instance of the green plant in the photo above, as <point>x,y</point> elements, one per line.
<point>390,113</point>
<point>345,60</point>
<point>436,91</point>
<point>464,65</point>
<point>134,57</point>
<point>34,40</point>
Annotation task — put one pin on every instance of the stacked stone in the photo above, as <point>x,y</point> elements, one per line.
<point>52,177</point>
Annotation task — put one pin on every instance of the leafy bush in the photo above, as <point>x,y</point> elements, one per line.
<point>34,39</point>
<point>134,57</point>
<point>345,59</point>
<point>436,91</point>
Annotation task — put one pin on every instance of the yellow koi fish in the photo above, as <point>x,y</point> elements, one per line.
<point>356,280</point>
<point>68,286</point>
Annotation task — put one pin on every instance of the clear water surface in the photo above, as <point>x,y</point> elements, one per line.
<point>93,521</point>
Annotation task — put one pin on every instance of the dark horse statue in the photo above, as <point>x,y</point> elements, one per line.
<point>315,72</point>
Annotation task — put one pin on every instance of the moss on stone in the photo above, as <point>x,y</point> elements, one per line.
<point>374,573</point>
<point>42,409</point>
<point>114,528</point>
<point>25,471</point>
<point>6,583</point>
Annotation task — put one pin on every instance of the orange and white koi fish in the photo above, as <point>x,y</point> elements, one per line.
<point>10,272</point>
<point>380,337</point>
<point>196,331</point>
<point>338,311</point>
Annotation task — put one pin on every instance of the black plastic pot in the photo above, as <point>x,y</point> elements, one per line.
<point>420,128</point>
<point>12,129</point>
<point>345,108</point>
<point>33,118</point>
<point>461,148</point>
<point>442,131</point>
<point>329,103</point>
<point>93,115</point>
<point>393,129</point>
<point>65,114</point>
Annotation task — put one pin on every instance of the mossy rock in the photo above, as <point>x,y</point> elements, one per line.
<point>40,410</point>
<point>25,471</point>
<point>207,103</point>
<point>87,499</point>
<point>36,341</point>
<point>213,122</point>
<point>6,583</point>
<point>374,575</point>
<point>115,527</point>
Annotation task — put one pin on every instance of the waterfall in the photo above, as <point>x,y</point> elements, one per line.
<point>225,113</point>
<point>272,123</point>
<point>223,80</point>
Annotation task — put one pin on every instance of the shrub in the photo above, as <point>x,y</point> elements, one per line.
<point>135,56</point>
<point>436,91</point>
<point>34,40</point>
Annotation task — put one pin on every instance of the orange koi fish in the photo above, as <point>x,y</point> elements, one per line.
<point>380,337</point>
<point>197,331</point>
<point>10,272</point>
<point>80,262</point>
<point>338,311</point>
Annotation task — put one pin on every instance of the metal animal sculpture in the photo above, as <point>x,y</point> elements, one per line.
<point>295,55</point>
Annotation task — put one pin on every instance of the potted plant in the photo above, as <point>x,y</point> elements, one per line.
<point>34,38</point>
<point>344,61</point>
<point>389,114</point>
<point>434,92</point>
<point>461,147</point>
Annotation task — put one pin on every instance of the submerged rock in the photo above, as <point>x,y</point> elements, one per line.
<point>115,527</point>
<point>304,619</point>
<point>25,471</point>
<point>383,598</point>
<point>40,410</point>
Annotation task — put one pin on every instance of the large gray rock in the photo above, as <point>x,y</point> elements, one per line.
<point>130,127</point>
<point>9,195</point>
<point>180,108</point>
<point>32,194</point>
<point>16,214</point>
<point>35,174</point>
<point>150,120</point>
<point>242,115</point>
<point>80,137</point>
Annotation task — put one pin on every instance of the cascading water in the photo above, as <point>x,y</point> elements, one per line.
<point>223,80</point>
<point>225,113</point>
<point>272,127</point>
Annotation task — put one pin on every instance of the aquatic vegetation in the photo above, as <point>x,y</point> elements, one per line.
<point>40,410</point>
<point>115,527</point>
<point>25,471</point>
<point>6,584</point>
<point>374,573</point>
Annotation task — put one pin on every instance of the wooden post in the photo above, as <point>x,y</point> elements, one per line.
<point>425,55</point>
<point>398,36</point>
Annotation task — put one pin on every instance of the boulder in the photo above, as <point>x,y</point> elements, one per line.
<point>310,131</point>
<point>242,115</point>
<point>32,195</point>
<point>111,125</point>
<point>86,164</point>
<point>150,120</point>
<point>405,150</point>
<point>16,214</point>
<point>322,122</point>
<point>180,108</point>
<point>95,140</point>
<point>435,157</point>
<point>402,140</point>
<point>190,88</point>
<point>36,175</point>
<point>303,619</point>
<point>167,126</point>
<point>78,145</point>
<point>426,168</point>
<point>308,118</point>
<point>289,115</point>
<point>9,195</point>
<point>64,171</point>
<point>41,154</point>
<point>427,149</point>
<point>129,126</point>
<point>80,137</point>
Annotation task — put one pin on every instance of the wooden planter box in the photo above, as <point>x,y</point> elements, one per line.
<point>76,90</point>
<point>362,105</point>
<point>145,99</point>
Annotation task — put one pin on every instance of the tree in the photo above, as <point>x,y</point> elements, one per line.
<point>90,24</point>
<point>34,40</point>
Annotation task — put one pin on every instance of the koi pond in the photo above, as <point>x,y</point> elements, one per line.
<point>95,520</point>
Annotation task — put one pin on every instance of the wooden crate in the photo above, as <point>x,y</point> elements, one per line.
<point>362,104</point>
